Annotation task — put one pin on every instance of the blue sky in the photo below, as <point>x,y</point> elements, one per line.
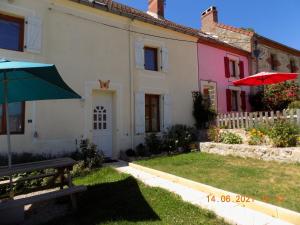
<point>276,19</point>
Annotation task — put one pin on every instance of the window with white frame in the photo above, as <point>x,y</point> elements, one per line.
<point>151,56</point>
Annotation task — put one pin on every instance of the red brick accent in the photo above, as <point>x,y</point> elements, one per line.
<point>157,7</point>
<point>209,19</point>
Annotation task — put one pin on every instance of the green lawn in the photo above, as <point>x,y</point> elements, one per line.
<point>115,198</point>
<point>276,183</point>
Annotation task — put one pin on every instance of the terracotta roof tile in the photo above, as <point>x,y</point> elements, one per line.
<point>234,29</point>
<point>124,10</point>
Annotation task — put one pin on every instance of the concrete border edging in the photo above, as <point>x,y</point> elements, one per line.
<point>262,207</point>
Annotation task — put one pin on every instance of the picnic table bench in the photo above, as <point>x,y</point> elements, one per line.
<point>12,208</point>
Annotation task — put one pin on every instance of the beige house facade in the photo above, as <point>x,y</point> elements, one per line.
<point>267,54</point>
<point>135,74</point>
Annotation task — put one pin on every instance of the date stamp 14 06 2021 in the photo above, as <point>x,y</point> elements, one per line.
<point>242,198</point>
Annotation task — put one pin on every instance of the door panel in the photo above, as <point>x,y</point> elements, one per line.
<point>102,123</point>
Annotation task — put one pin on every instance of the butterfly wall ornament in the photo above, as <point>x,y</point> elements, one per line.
<point>104,85</point>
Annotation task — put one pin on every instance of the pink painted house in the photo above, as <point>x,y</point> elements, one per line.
<point>219,65</point>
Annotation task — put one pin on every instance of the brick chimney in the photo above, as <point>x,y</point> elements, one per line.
<point>209,19</point>
<point>156,8</point>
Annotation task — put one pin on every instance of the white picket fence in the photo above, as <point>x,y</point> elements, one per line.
<point>237,120</point>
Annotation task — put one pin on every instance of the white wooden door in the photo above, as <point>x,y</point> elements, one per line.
<point>102,123</point>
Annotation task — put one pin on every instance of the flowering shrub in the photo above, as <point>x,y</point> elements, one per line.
<point>231,138</point>
<point>214,134</point>
<point>284,134</point>
<point>256,137</point>
<point>276,96</point>
<point>179,136</point>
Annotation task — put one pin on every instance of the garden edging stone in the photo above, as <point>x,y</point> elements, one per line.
<point>267,153</point>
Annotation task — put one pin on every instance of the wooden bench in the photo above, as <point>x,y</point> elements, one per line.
<point>12,209</point>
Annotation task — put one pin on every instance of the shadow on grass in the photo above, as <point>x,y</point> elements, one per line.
<point>117,201</point>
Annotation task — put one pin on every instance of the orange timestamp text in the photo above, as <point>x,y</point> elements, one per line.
<point>230,198</point>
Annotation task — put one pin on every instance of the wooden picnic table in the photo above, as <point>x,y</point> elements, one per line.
<point>60,163</point>
<point>60,170</point>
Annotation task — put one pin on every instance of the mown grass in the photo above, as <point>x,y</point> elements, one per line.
<point>115,198</point>
<point>276,183</point>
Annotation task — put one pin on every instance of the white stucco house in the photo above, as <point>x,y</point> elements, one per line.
<point>134,70</point>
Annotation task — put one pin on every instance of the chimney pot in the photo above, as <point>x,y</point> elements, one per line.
<point>156,8</point>
<point>209,18</point>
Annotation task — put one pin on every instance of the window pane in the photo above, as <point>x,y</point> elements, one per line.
<point>15,117</point>
<point>9,34</point>
<point>151,59</point>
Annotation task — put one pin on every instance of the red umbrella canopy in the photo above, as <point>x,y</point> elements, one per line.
<point>265,78</point>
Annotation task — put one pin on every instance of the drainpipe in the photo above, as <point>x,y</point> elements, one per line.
<point>131,79</point>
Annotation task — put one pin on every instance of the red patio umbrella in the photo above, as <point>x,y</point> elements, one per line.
<point>265,78</point>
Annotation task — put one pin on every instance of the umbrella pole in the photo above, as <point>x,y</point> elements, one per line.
<point>7,128</point>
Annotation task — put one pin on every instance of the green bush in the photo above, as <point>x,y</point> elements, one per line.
<point>179,136</point>
<point>153,143</point>
<point>130,152</point>
<point>284,134</point>
<point>142,151</point>
<point>214,134</point>
<point>79,169</point>
<point>231,138</point>
<point>294,105</point>
<point>91,157</point>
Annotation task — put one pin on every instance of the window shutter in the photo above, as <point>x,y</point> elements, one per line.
<point>139,113</point>
<point>243,100</point>
<point>228,97</point>
<point>241,67</point>
<point>164,59</point>
<point>33,35</point>
<point>167,111</point>
<point>139,55</point>
<point>226,64</point>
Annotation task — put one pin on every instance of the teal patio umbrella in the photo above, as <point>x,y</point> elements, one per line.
<point>27,81</point>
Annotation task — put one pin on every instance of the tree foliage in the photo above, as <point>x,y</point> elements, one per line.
<point>276,96</point>
<point>202,112</point>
